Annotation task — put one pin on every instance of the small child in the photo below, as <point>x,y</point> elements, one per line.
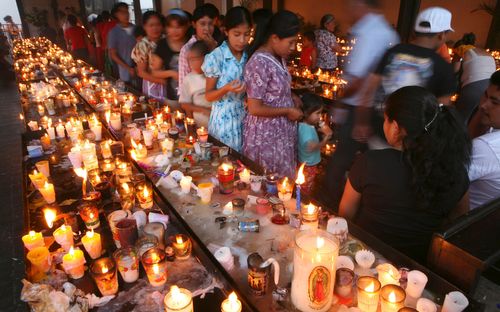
<point>309,53</point>
<point>192,98</point>
<point>309,143</point>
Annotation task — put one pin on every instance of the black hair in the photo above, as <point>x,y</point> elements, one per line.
<point>436,145</point>
<point>139,31</point>
<point>236,16</point>
<point>309,35</point>
<point>117,6</point>
<point>469,38</point>
<point>206,9</point>
<point>428,35</point>
<point>495,79</point>
<point>105,15</point>
<point>284,24</point>
<point>200,47</point>
<point>326,19</point>
<point>310,103</point>
<point>72,20</point>
<point>458,43</point>
<point>372,3</point>
<point>146,16</point>
<point>7,18</point>
<point>182,20</point>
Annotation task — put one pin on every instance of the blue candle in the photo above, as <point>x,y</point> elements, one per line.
<point>298,198</point>
<point>300,180</point>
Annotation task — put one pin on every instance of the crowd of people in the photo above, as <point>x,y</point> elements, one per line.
<point>419,168</point>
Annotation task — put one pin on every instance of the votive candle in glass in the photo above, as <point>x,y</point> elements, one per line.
<point>178,300</point>
<point>92,243</point>
<point>225,174</point>
<point>145,195</point>
<point>44,167</point>
<point>108,165</point>
<point>182,246</point>
<point>368,293</point>
<point>156,229</point>
<point>127,232</point>
<point>73,263</point>
<point>115,121</point>
<point>392,298</point>
<point>90,215</point>
<point>145,243</point>
<point>285,189</point>
<point>185,184</point>
<point>126,191</point>
<point>245,176</point>
<point>106,149</point>
<point>202,133</point>
<point>309,217</point>
<point>127,261</point>
<point>231,304</point>
<point>344,279</point>
<point>154,262</point>
<point>104,273</point>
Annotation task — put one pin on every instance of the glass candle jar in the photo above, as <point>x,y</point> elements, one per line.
<point>127,261</point>
<point>145,243</point>
<point>108,165</point>
<point>113,218</point>
<point>90,215</point>
<point>285,189</point>
<point>182,246</point>
<point>392,298</point>
<point>263,206</point>
<point>144,193</point>
<point>238,206</point>
<point>104,273</point>
<point>309,217</point>
<point>94,176</point>
<point>154,262</point>
<point>106,149</point>
<point>368,293</point>
<point>123,172</point>
<point>271,184</point>
<point>178,300</point>
<point>344,279</point>
<point>280,215</point>
<point>126,191</point>
<point>225,175</point>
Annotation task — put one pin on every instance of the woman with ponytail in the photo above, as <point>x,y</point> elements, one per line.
<point>270,127</point>
<point>405,193</point>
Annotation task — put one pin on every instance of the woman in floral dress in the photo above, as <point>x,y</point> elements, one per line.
<point>326,43</point>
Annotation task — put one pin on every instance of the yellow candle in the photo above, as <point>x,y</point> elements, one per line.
<point>231,304</point>
<point>48,192</point>
<point>368,293</point>
<point>64,237</point>
<point>32,240</point>
<point>92,243</point>
<point>73,263</point>
<point>178,300</point>
<point>40,258</point>
<point>38,179</point>
<point>245,176</point>
<point>393,298</point>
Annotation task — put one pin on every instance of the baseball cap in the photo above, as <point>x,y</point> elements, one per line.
<point>433,20</point>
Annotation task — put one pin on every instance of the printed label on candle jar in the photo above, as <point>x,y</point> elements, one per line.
<point>319,287</point>
<point>257,281</point>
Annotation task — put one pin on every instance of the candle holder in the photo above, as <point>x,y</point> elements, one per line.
<point>344,279</point>
<point>90,215</point>
<point>108,165</point>
<point>231,304</point>
<point>104,273</point>
<point>144,192</point>
<point>392,298</point>
<point>315,255</point>
<point>40,258</point>
<point>145,243</point>
<point>126,191</point>
<point>388,274</point>
<point>280,215</point>
<point>238,206</point>
<point>113,218</point>
<point>123,172</point>
<point>127,261</point>
<point>263,206</point>
<point>179,121</point>
<point>127,232</point>
<point>225,174</point>
<point>368,293</point>
<point>94,176</point>
<point>309,217</point>
<point>178,300</point>
<point>285,189</point>
<point>106,149</point>
<point>271,184</point>
<point>117,148</point>
<point>155,264</point>
<point>182,246</point>
<point>93,197</point>
<point>156,229</point>
<point>104,187</point>
<point>64,236</point>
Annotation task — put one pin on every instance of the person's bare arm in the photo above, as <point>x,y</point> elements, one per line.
<point>118,60</point>
<point>142,71</point>
<point>213,94</point>
<point>258,108</point>
<point>349,204</point>
<point>190,108</point>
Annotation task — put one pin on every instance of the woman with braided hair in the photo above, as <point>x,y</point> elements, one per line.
<point>405,193</point>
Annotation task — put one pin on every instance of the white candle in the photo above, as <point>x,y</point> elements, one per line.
<point>64,236</point>
<point>224,256</point>
<point>426,305</point>
<point>455,301</point>
<point>92,243</point>
<point>52,133</point>
<point>178,300</point>
<point>60,130</point>
<point>32,240</point>
<point>116,121</point>
<point>96,127</point>
<point>73,263</point>
<point>231,304</point>
<point>388,274</point>
<point>48,192</point>
<point>148,137</point>
<point>416,283</point>
<point>185,184</point>
<point>314,261</point>
<point>245,176</point>
<point>75,157</point>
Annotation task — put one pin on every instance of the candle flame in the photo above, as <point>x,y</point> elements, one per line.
<point>146,192</point>
<point>311,208</point>
<point>125,187</point>
<point>105,269</point>
<point>285,182</point>
<point>167,109</point>
<point>320,242</point>
<point>178,239</point>
<point>226,167</point>
<point>301,179</point>
<point>233,299</point>
<point>50,217</point>
<point>71,251</point>
<point>156,269</point>
<point>90,234</point>
<point>133,154</point>
<point>81,172</point>
<point>35,172</point>
<point>392,297</point>
<point>175,292</point>
<point>32,234</point>
<point>370,288</point>
<point>134,145</point>
<point>21,116</point>
<point>98,179</point>
<point>46,185</point>
<point>107,115</point>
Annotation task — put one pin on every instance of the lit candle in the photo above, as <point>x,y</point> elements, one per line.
<point>115,121</point>
<point>155,264</point>
<point>231,304</point>
<point>106,149</point>
<point>107,116</point>
<point>45,140</point>
<point>60,130</point>
<point>38,179</point>
<point>104,273</point>
<point>96,127</point>
<point>185,184</point>
<point>48,192</point>
<point>82,173</point>
<point>298,182</point>
<point>50,217</point>
<point>426,305</point>
<point>51,132</point>
<point>202,134</point>
<point>388,274</point>
<point>148,138</point>
<point>285,189</point>
<point>226,178</point>
<point>145,196</point>
<point>139,151</point>
<point>245,176</point>
<point>32,240</point>
<point>179,121</point>
<point>73,263</point>
<point>128,263</point>
<point>314,259</point>
<point>64,236</point>
<point>178,300</point>
<point>309,218</point>
<point>368,293</point>
<point>393,298</point>
<point>182,246</point>
<point>92,243</point>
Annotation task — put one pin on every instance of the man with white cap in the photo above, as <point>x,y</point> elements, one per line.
<point>412,64</point>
